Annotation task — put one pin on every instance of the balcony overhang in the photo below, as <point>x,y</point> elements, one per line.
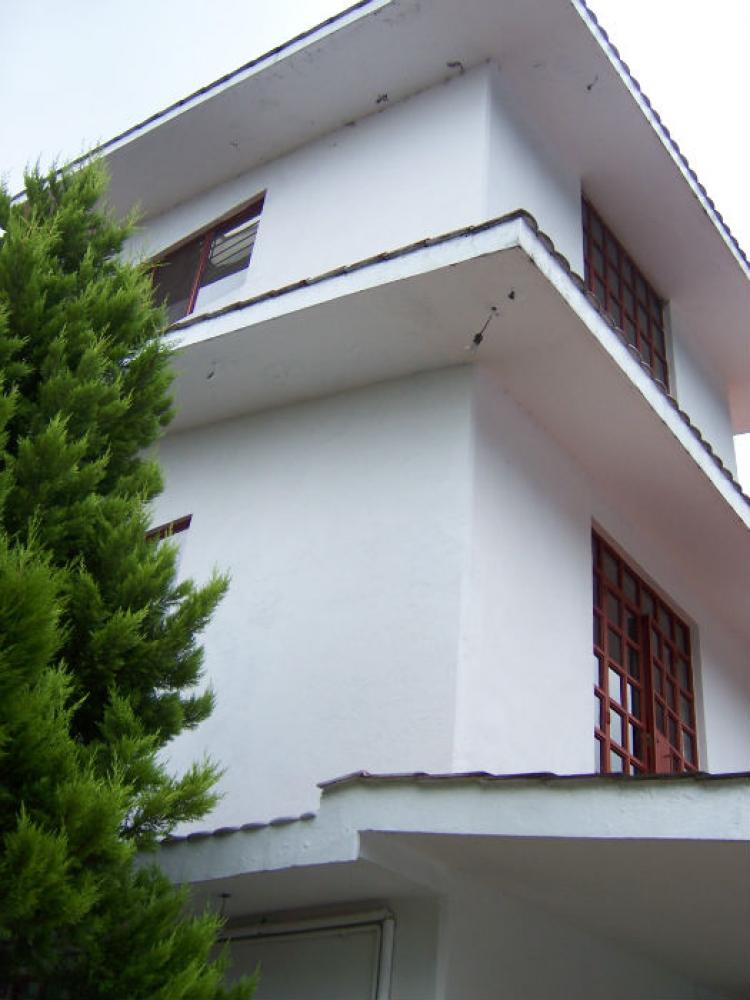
<point>547,344</point>
<point>661,865</point>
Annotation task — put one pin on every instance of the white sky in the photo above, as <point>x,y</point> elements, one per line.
<point>76,72</point>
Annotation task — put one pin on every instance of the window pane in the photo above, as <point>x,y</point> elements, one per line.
<point>613,609</point>
<point>631,624</point>
<point>616,763</point>
<point>686,709</point>
<point>230,252</point>
<point>636,741</point>
<point>614,646</point>
<point>174,277</point>
<point>630,587</point>
<point>688,747</point>
<point>616,728</point>
<point>614,685</point>
<point>610,568</point>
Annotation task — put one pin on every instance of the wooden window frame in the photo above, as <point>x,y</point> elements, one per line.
<point>644,688</point>
<point>169,528</point>
<point>625,294</point>
<point>204,239</point>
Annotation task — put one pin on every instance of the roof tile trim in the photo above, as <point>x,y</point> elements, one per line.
<point>488,777</point>
<point>460,777</point>
<point>518,214</point>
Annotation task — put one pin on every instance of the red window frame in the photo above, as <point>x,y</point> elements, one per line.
<point>645,695</point>
<point>169,528</point>
<point>203,242</point>
<point>624,293</point>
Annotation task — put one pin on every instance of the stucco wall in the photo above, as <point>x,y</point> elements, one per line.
<point>526,671</point>
<point>342,523</point>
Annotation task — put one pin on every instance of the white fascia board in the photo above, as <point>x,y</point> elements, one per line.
<point>665,138</point>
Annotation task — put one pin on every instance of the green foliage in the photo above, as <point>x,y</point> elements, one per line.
<point>99,659</point>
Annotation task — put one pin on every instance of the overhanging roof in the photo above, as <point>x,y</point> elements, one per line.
<point>658,863</point>
<point>561,74</point>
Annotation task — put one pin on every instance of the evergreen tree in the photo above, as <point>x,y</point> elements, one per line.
<point>99,660</point>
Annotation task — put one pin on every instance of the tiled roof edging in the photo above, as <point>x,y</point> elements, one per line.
<point>451,778</point>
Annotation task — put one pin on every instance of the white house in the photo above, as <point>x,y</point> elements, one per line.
<point>457,326</point>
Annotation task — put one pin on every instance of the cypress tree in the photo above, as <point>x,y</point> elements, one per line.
<point>100,663</point>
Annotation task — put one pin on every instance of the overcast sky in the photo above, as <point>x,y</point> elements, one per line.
<point>76,72</point>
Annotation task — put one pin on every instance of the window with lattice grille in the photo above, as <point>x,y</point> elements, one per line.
<point>645,698</point>
<point>209,266</point>
<point>624,293</point>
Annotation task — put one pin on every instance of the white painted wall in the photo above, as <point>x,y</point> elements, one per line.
<point>446,158</point>
<point>523,172</point>
<point>411,590</point>
<point>494,947</point>
<point>524,696</point>
<point>343,523</point>
<point>701,394</point>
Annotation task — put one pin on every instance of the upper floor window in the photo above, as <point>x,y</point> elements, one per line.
<point>644,677</point>
<point>209,265</point>
<point>624,293</point>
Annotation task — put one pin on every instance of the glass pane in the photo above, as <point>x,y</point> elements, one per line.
<point>688,747</point>
<point>655,643</point>
<point>616,763</point>
<point>646,351</point>
<point>174,277</point>
<point>614,646</point>
<point>631,624</point>
<point>613,609</point>
<point>665,620</point>
<point>658,681</point>
<point>614,686</point>
<point>230,251</point>
<point>683,675</point>
<point>647,604</point>
<point>629,586</point>
<point>597,260</point>
<point>627,270</point>
<point>641,318</point>
<point>668,657</point>
<point>628,300</point>
<point>634,701</point>
<point>610,568</point>
<point>670,695</point>
<point>634,662</point>
<point>616,728</point>
<point>686,709</point>
<point>614,311</point>
<point>612,252</point>
<point>636,741</point>
<point>630,332</point>
<point>681,636</point>
<point>660,369</point>
<point>659,339</point>
<point>599,291</point>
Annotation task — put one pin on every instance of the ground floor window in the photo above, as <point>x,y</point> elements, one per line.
<point>645,696</point>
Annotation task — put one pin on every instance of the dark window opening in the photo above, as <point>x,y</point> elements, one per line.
<point>200,270</point>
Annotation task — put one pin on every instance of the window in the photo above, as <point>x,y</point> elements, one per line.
<point>169,529</point>
<point>208,266</point>
<point>624,294</point>
<point>644,680</point>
